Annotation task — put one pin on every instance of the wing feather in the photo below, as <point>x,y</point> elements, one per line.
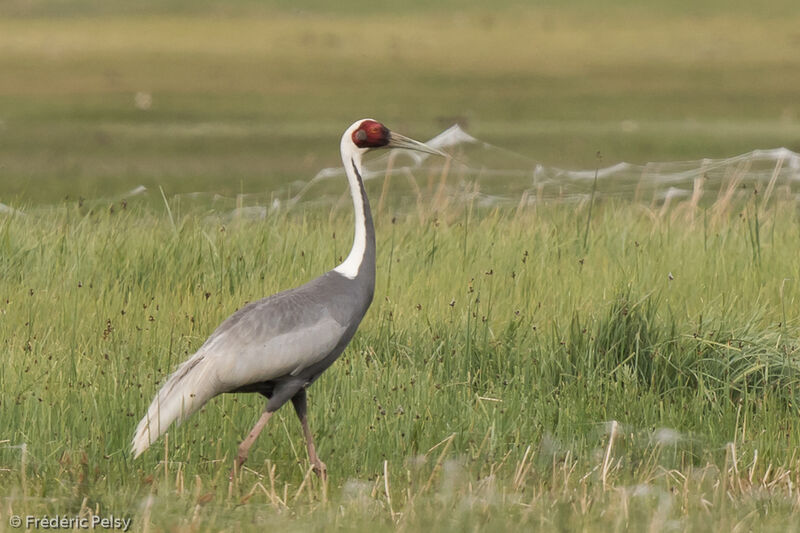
<point>271,338</point>
<point>274,337</point>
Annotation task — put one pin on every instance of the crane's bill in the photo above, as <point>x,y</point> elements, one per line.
<point>399,141</point>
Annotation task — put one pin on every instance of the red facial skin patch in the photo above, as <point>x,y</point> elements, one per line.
<point>371,134</point>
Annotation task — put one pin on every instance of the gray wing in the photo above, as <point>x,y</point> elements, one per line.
<point>277,336</point>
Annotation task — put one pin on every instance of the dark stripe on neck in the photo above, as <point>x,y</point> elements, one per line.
<point>368,262</point>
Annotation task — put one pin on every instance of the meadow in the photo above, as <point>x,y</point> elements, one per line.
<point>246,101</point>
<point>606,365</point>
<point>507,373</point>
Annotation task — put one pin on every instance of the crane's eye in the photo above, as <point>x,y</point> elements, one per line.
<point>361,135</point>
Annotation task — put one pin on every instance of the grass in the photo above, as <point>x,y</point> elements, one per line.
<point>522,380</point>
<point>250,101</point>
<point>598,366</point>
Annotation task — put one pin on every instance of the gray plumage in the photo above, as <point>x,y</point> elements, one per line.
<point>281,344</point>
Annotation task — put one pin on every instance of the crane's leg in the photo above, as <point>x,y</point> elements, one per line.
<point>299,402</point>
<point>244,447</point>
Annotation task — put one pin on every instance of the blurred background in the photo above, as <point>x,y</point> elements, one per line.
<point>99,97</point>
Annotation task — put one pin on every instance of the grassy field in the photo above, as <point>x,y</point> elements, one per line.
<point>522,380</point>
<point>244,101</point>
<point>540,367</point>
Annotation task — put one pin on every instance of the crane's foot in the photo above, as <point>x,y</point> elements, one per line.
<point>320,469</point>
<point>241,457</point>
<point>244,447</point>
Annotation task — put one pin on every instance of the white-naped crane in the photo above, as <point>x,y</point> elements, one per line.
<point>278,346</point>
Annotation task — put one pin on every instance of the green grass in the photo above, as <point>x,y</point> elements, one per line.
<point>250,101</point>
<point>513,351</point>
<point>543,367</point>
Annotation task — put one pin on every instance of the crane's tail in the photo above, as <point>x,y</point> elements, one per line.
<point>184,393</point>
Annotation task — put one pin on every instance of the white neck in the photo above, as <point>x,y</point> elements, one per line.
<point>351,156</point>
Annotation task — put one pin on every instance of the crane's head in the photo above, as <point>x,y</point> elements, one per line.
<point>368,134</point>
